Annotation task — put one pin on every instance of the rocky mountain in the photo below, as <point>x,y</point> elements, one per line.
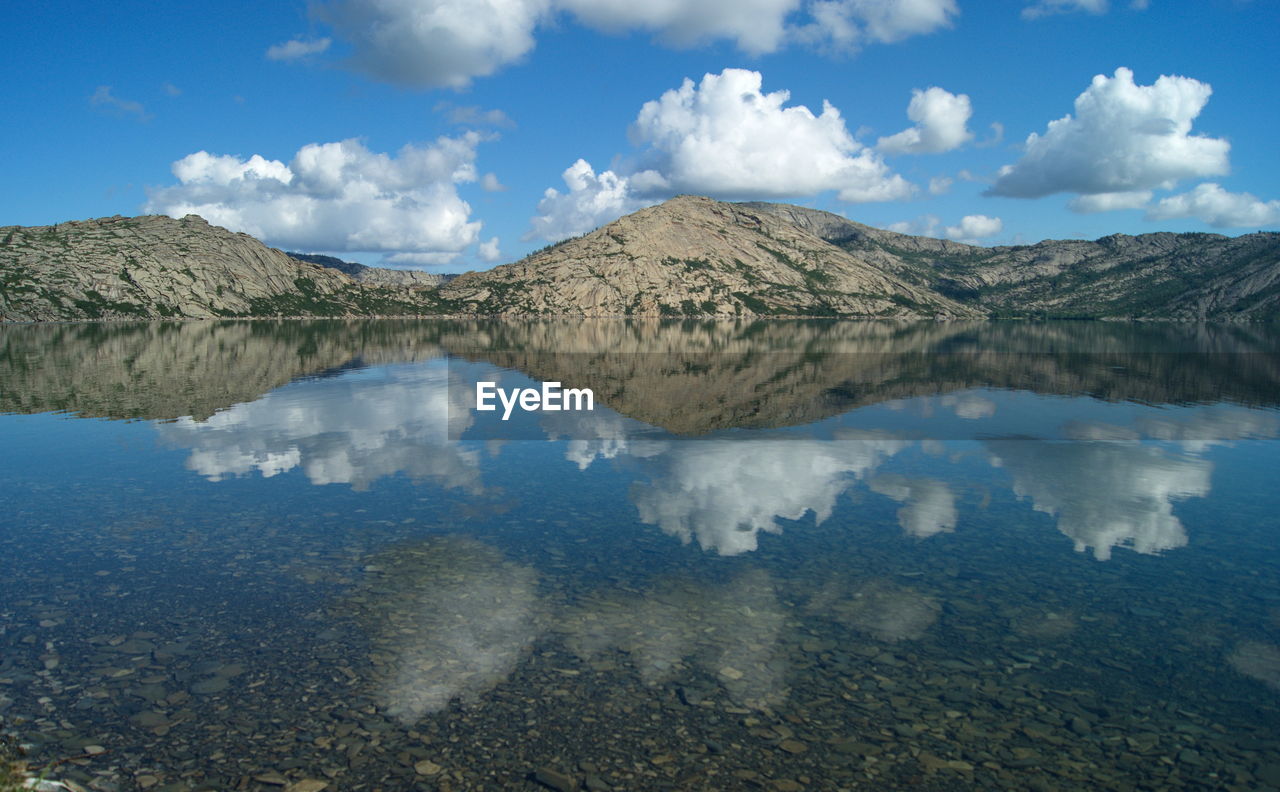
<point>155,266</point>
<point>694,256</point>
<point>377,276</point>
<point>690,256</point>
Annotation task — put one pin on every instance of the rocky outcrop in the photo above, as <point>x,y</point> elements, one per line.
<point>155,266</point>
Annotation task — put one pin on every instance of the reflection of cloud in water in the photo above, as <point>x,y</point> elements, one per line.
<point>930,506</point>
<point>596,435</point>
<point>884,610</point>
<point>731,631</point>
<point>349,430</point>
<point>970,406</point>
<point>1202,429</point>
<point>1104,494</point>
<point>1258,660</point>
<point>724,492</point>
<point>453,620</point>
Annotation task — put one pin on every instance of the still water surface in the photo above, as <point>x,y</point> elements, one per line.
<point>776,556</point>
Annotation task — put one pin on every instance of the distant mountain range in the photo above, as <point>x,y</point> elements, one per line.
<point>689,256</point>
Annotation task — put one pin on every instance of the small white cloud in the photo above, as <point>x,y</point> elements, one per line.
<point>171,90</point>
<point>940,185</point>
<point>941,124</point>
<point>847,25</point>
<point>1217,207</point>
<point>755,26</point>
<point>924,225</point>
<point>590,201</point>
<point>334,196</point>
<point>473,115</point>
<point>296,49</point>
<point>1042,8</point>
<point>489,183</point>
<point>997,136</point>
<point>1123,138</point>
<point>108,102</point>
<point>489,251</point>
<point>975,227</point>
<point>1106,202</point>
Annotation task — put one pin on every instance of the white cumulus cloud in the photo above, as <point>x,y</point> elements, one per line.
<point>726,138</point>
<point>590,201</point>
<point>296,49</point>
<point>448,43</point>
<point>941,119</point>
<point>974,227</point>
<point>334,196</point>
<point>1219,208</point>
<point>1123,138</point>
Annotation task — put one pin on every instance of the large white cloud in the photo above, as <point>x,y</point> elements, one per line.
<point>723,137</point>
<point>1219,208</point>
<point>334,196</point>
<point>1123,138</point>
<point>447,43</point>
<point>941,124</point>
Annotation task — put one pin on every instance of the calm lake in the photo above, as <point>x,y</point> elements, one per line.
<point>774,556</point>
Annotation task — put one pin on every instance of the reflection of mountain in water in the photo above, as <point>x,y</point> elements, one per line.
<point>688,377</point>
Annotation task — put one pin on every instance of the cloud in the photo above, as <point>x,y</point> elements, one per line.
<point>924,225</point>
<point>725,492</point>
<point>941,119</point>
<point>940,185</point>
<point>1123,138</point>
<point>1105,495</point>
<point>489,183</point>
<point>591,201</point>
<point>473,115</point>
<point>930,506</point>
<point>755,26</point>
<point>974,227</point>
<point>1042,8</point>
<point>1106,202</point>
<point>489,251</point>
<point>448,43</point>
<point>108,102</point>
<point>1219,208</point>
<point>334,196</point>
<point>846,25</point>
<point>296,49</point>
<point>170,89</point>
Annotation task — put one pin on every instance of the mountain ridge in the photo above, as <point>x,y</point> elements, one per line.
<point>690,256</point>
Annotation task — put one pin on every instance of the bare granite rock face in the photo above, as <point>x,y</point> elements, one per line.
<point>156,266</point>
<point>694,256</point>
<point>690,256</point>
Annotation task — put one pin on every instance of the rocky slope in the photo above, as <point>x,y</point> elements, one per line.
<point>696,256</point>
<point>690,256</point>
<point>155,266</point>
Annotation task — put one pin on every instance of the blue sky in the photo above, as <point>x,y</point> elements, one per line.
<point>427,132</point>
